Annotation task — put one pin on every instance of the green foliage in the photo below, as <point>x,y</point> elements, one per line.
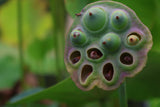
<point>40,56</point>
<point>65,91</point>
<point>9,67</point>
<point>38,43</point>
<point>26,93</point>
<point>35,21</point>
<point>154,103</point>
<point>147,80</point>
<point>156,26</point>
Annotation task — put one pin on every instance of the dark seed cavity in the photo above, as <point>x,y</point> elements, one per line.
<point>108,71</point>
<point>86,71</point>
<point>126,58</point>
<point>94,53</point>
<point>75,57</point>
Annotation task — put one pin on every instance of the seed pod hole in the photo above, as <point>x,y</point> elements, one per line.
<point>133,39</point>
<point>75,57</point>
<point>108,71</point>
<point>86,71</point>
<point>126,58</point>
<point>94,53</point>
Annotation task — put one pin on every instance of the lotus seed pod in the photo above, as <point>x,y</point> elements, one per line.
<point>95,19</point>
<point>111,42</point>
<point>106,43</point>
<point>119,19</point>
<point>78,37</point>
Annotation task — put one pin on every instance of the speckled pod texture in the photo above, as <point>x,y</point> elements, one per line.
<point>106,43</point>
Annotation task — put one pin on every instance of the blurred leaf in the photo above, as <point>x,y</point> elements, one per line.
<point>35,104</point>
<point>156,36</point>
<point>154,103</point>
<point>10,72</point>
<point>143,86</point>
<point>155,29</point>
<point>36,22</point>
<point>26,93</point>
<point>37,50</point>
<point>40,56</point>
<point>93,104</point>
<point>65,91</point>
<point>75,6</point>
<point>9,67</point>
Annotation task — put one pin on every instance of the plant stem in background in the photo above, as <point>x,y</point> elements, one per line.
<point>20,35</point>
<point>123,95</point>
<point>58,19</point>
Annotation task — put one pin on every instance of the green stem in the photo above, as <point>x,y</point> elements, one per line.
<point>58,19</point>
<point>102,103</point>
<point>19,27</point>
<point>123,95</point>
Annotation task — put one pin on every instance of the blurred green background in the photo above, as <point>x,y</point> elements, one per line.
<point>32,34</point>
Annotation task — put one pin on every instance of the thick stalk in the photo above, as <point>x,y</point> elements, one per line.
<point>58,19</point>
<point>20,38</point>
<point>123,95</point>
<point>102,103</point>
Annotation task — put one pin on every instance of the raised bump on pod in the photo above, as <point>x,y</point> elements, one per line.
<point>78,37</point>
<point>95,19</point>
<point>133,39</point>
<point>111,42</point>
<point>119,19</point>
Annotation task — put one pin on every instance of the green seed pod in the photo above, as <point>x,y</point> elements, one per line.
<point>119,20</point>
<point>111,42</point>
<point>133,39</point>
<point>118,51</point>
<point>95,19</point>
<point>78,37</point>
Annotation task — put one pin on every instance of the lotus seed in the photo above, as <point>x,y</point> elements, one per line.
<point>95,19</point>
<point>78,37</point>
<point>111,42</point>
<point>133,39</point>
<point>119,20</point>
